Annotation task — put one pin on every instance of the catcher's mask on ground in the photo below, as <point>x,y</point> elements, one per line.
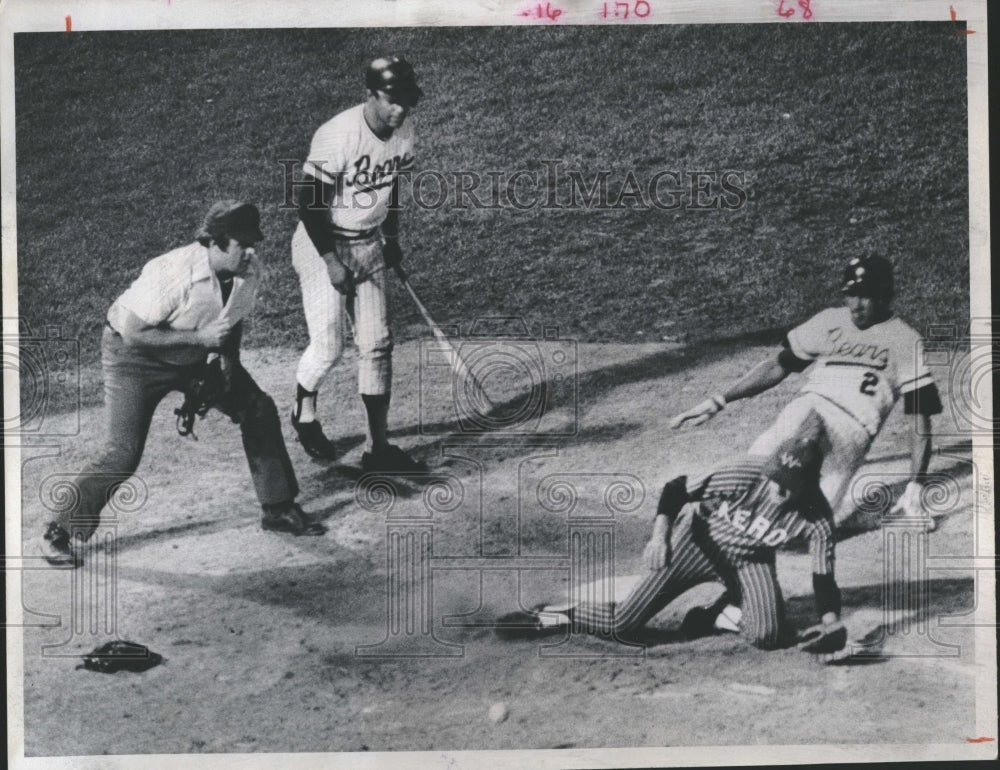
<point>795,465</point>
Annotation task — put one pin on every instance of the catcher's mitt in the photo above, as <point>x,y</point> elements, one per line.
<point>827,640</point>
<point>204,390</point>
<point>120,655</point>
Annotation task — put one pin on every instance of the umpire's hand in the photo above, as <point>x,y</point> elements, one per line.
<point>213,334</point>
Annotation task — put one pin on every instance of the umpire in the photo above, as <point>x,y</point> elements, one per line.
<point>185,310</point>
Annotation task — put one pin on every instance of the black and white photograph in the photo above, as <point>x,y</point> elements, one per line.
<point>497,384</point>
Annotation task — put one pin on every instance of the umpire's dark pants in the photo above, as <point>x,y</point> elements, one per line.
<point>134,384</point>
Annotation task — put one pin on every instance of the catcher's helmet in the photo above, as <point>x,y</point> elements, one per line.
<point>868,277</point>
<point>796,462</point>
<point>395,76</point>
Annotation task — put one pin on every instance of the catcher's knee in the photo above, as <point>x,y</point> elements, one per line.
<point>764,637</point>
<point>761,630</point>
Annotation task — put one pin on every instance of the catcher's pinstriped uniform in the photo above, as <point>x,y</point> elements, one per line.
<point>185,305</point>
<point>728,532</point>
<point>342,246</point>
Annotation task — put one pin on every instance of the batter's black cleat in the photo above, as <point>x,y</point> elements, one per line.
<point>310,434</point>
<point>391,460</point>
<point>57,549</point>
<point>290,518</point>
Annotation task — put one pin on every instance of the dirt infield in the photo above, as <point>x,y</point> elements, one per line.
<point>261,632</point>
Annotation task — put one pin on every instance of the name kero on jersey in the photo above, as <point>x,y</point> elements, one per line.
<point>847,353</point>
<point>758,527</point>
<point>366,177</point>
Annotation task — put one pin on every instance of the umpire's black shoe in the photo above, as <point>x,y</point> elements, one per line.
<point>391,460</point>
<point>57,548</point>
<point>311,437</point>
<point>290,518</point>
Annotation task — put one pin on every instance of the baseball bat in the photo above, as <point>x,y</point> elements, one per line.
<point>458,365</point>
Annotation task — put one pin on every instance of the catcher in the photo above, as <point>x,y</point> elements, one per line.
<point>186,307</point>
<point>726,527</point>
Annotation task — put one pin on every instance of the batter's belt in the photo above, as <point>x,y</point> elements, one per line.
<point>361,254</point>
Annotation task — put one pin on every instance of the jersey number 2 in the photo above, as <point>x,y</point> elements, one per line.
<point>869,383</point>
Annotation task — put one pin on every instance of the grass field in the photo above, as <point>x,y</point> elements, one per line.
<point>851,140</point>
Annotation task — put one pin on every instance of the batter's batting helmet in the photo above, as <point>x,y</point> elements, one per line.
<point>868,277</point>
<point>395,76</point>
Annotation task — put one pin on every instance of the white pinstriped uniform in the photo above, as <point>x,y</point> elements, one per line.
<point>728,532</point>
<point>347,154</point>
<point>858,376</point>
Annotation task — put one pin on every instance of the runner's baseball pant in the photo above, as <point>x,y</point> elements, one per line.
<point>844,448</point>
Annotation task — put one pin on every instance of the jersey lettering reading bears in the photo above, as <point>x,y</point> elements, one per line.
<point>346,153</point>
<point>863,371</point>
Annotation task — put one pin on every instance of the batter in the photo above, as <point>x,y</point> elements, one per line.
<point>347,236</point>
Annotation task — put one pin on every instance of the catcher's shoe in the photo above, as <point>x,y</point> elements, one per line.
<point>311,436</point>
<point>707,621</point>
<point>698,622</point>
<point>290,517</point>
<point>56,547</point>
<point>391,460</point>
<point>532,624</point>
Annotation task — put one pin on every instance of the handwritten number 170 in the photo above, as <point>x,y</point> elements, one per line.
<point>640,9</point>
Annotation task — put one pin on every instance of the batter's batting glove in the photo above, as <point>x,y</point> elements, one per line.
<point>828,641</point>
<point>391,253</point>
<point>909,506</point>
<point>702,413</point>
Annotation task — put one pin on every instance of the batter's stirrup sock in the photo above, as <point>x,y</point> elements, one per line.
<point>300,395</point>
<point>375,402</point>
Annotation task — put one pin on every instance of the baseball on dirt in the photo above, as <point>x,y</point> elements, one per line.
<point>498,712</point>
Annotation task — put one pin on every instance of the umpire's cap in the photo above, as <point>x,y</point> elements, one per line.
<point>233,219</point>
<point>868,277</point>
<point>797,461</point>
<point>395,76</point>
